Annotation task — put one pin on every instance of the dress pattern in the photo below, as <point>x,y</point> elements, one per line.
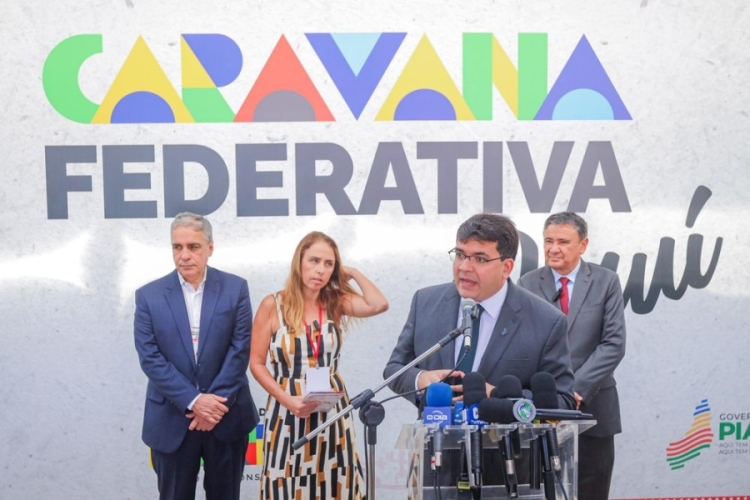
<point>328,466</point>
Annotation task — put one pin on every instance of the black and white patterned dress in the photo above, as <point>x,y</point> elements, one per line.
<point>328,466</point>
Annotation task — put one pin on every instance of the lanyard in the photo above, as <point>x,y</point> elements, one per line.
<point>315,345</point>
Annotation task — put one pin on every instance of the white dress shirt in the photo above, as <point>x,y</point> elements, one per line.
<point>193,302</point>
<point>492,306</point>
<point>571,280</point>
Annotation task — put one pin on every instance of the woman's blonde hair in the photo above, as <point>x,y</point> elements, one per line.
<point>331,295</point>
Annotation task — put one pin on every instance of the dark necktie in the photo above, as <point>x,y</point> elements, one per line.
<point>467,363</point>
<point>564,297</point>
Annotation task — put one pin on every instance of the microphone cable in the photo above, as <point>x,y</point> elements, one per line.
<point>562,488</point>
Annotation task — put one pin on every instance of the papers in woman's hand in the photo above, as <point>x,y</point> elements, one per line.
<point>325,399</point>
<point>319,389</point>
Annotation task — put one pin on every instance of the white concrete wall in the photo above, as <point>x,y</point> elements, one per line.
<point>71,391</point>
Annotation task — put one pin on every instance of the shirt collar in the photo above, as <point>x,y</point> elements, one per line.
<point>494,303</point>
<point>571,276</point>
<point>200,285</point>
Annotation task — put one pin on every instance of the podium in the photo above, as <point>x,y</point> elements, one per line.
<point>424,483</point>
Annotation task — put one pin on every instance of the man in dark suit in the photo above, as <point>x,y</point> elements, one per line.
<point>192,334</point>
<point>591,297</point>
<point>518,334</point>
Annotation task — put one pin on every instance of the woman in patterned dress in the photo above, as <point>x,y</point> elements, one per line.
<point>302,328</point>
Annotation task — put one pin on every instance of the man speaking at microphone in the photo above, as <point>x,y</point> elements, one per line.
<point>591,297</point>
<point>515,332</point>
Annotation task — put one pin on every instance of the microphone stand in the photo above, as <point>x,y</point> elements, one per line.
<point>363,399</point>
<point>372,415</point>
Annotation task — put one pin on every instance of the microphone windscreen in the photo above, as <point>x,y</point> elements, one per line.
<point>439,394</point>
<point>470,303</point>
<point>475,389</point>
<point>544,388</point>
<point>496,411</point>
<point>509,386</point>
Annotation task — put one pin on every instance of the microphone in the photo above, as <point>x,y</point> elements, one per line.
<point>556,297</point>
<point>467,313</point>
<point>438,400</point>
<point>523,410</point>
<point>501,411</point>
<point>438,411</point>
<point>547,473</point>
<point>545,395</point>
<point>459,413</point>
<point>497,411</point>
<point>545,391</point>
<point>475,391</point>
<point>535,464</point>
<point>503,394</point>
<point>509,386</point>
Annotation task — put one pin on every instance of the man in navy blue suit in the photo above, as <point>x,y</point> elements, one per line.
<point>192,334</point>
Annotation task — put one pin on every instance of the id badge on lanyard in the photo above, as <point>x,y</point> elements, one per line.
<point>315,343</point>
<point>318,376</point>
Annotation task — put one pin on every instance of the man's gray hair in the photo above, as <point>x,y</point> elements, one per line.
<point>571,218</point>
<point>197,222</point>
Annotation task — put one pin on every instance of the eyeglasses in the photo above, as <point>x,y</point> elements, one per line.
<point>458,256</point>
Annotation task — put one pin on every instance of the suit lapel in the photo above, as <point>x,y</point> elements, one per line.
<point>176,300</point>
<point>208,305</point>
<point>548,286</point>
<point>580,290</point>
<point>503,333</point>
<point>449,316</point>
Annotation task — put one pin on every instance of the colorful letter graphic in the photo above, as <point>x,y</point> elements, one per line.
<point>486,64</point>
<point>356,62</point>
<point>697,438</point>
<point>283,92</point>
<point>254,453</point>
<point>60,77</point>
<point>142,93</point>
<point>209,61</point>
<point>583,91</point>
<point>424,91</point>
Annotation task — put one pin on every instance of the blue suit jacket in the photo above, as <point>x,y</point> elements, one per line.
<point>165,350</point>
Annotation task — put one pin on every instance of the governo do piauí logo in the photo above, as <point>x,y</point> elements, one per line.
<point>697,438</point>
<point>355,62</point>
